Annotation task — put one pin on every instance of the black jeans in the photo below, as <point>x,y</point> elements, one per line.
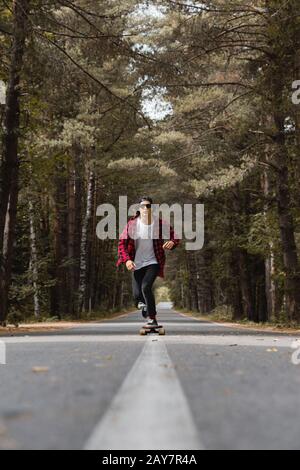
<point>142,282</point>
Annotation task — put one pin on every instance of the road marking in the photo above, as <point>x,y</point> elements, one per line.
<point>139,324</point>
<point>150,411</point>
<point>198,339</point>
<point>74,339</point>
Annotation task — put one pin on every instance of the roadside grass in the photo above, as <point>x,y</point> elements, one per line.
<point>223,315</point>
<point>29,323</point>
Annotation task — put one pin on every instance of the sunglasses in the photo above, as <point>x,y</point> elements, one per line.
<point>147,206</point>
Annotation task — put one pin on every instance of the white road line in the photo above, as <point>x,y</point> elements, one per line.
<point>139,324</point>
<point>198,339</point>
<point>150,411</point>
<point>73,339</point>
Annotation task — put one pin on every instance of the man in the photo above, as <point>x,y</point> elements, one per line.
<point>141,248</point>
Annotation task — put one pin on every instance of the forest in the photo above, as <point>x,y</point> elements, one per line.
<point>187,102</point>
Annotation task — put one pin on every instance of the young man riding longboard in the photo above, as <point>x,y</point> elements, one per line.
<point>142,249</point>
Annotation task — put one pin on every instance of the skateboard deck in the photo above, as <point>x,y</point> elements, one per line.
<point>152,329</point>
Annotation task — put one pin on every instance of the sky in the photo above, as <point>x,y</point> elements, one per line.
<point>157,107</point>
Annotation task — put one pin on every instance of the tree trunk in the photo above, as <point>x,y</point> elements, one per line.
<point>60,240</point>
<point>8,242</point>
<point>277,89</point>
<point>271,291</point>
<point>71,240</point>
<point>240,257</point>
<point>286,223</point>
<point>9,163</point>
<point>34,261</point>
<point>84,239</point>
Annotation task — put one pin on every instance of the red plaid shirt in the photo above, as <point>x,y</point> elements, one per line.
<point>126,246</point>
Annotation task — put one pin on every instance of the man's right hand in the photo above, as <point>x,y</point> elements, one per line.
<point>130,265</point>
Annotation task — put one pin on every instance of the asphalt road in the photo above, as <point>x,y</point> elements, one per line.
<point>102,386</point>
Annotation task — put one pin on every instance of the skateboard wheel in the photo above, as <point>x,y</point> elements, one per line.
<point>143,332</point>
<point>162,332</point>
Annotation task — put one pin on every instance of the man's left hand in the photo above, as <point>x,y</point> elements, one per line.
<point>168,245</point>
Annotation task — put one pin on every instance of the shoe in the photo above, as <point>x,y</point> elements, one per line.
<point>141,305</point>
<point>152,322</point>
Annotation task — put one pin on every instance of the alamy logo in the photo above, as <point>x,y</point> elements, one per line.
<point>188,221</point>
<point>296,94</point>
<point>296,354</point>
<point>2,353</point>
<point>2,92</point>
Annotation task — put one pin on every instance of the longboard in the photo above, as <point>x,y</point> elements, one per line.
<point>152,329</point>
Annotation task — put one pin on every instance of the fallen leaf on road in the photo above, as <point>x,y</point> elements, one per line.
<point>272,350</point>
<point>17,413</point>
<point>40,370</point>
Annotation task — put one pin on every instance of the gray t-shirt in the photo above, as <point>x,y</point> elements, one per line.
<point>144,251</point>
